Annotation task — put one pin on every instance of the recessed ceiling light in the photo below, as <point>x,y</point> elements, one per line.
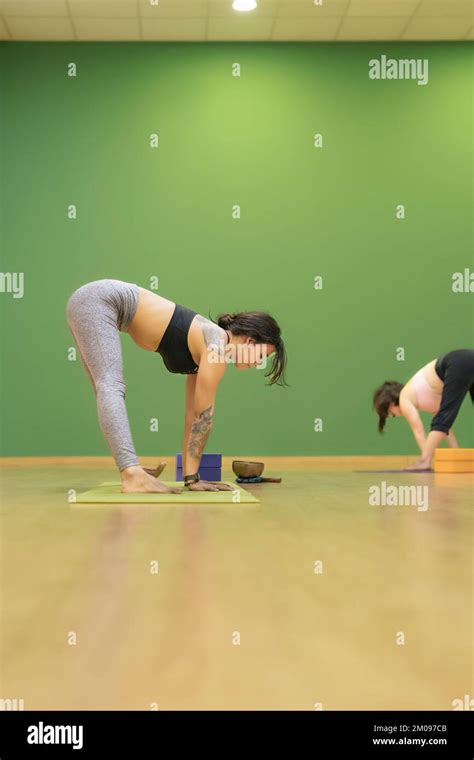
<point>244,5</point>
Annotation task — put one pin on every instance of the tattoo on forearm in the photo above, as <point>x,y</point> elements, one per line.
<point>200,432</point>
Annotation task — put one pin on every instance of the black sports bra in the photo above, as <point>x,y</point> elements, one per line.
<point>173,347</point>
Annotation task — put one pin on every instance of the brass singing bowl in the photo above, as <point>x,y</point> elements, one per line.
<point>247,469</point>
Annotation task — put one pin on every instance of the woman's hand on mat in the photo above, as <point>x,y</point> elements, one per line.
<point>207,485</point>
<point>219,486</point>
<point>136,480</point>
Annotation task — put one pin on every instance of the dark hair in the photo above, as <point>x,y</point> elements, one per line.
<point>388,393</point>
<point>263,329</point>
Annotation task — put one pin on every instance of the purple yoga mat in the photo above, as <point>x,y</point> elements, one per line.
<point>409,472</point>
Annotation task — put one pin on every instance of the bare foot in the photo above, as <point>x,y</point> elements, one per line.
<point>136,480</point>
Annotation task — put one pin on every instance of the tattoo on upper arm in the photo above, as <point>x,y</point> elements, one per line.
<point>199,432</point>
<point>211,332</point>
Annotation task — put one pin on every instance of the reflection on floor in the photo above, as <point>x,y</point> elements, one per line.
<point>314,596</point>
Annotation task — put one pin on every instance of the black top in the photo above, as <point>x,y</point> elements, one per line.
<point>173,348</point>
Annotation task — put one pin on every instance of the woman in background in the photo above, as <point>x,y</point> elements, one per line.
<point>439,388</point>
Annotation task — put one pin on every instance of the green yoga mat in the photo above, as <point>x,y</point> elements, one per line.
<point>109,493</point>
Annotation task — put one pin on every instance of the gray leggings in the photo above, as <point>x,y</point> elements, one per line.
<point>96,313</point>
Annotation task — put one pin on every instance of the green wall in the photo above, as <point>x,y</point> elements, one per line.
<point>167,212</point>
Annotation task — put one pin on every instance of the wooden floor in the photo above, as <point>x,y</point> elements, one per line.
<point>226,571</point>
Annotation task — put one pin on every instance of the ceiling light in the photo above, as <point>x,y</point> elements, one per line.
<point>244,5</point>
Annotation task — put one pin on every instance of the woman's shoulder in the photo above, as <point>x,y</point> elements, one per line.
<point>212,334</point>
<point>408,393</point>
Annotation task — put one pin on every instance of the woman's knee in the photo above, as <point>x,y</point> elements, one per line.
<point>110,385</point>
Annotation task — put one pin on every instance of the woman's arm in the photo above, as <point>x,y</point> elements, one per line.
<point>208,378</point>
<point>209,375</point>
<point>188,415</point>
<point>428,443</point>
<point>411,414</point>
<point>434,439</point>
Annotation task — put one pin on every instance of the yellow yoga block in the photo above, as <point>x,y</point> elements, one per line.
<point>454,455</point>
<point>454,467</point>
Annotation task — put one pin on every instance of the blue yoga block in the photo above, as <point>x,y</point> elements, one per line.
<point>207,460</point>
<point>210,473</point>
<point>205,473</point>
<point>209,469</point>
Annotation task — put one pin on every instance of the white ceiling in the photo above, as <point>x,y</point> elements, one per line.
<point>215,20</point>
